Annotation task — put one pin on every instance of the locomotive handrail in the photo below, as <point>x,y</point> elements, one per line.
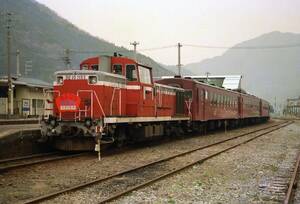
<point>93,93</point>
<point>112,99</point>
<point>52,91</point>
<point>99,103</point>
<point>188,105</point>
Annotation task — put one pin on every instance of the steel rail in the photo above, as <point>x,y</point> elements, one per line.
<point>293,182</point>
<point>98,180</point>
<point>27,157</point>
<point>25,164</point>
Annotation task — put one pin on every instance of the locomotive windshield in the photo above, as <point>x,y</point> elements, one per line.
<point>131,72</point>
<point>145,76</point>
<point>117,69</point>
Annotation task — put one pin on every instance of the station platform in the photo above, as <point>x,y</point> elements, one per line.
<point>20,140</point>
<point>19,121</point>
<point>8,130</point>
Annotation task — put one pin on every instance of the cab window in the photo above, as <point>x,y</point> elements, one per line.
<point>85,67</point>
<point>117,69</point>
<point>95,67</point>
<point>131,72</point>
<point>145,75</point>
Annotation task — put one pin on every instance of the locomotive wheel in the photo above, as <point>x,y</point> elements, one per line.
<point>121,137</point>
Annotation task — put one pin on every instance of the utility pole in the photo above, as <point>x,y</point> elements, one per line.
<point>18,63</point>
<point>67,59</point>
<point>135,43</point>
<point>9,81</point>
<point>207,73</point>
<point>275,106</point>
<point>179,59</point>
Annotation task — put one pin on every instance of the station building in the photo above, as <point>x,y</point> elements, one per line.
<point>30,97</point>
<point>293,107</point>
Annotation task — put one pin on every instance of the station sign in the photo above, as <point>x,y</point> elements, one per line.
<point>25,105</point>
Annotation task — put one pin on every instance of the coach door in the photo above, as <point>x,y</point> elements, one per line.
<point>201,104</point>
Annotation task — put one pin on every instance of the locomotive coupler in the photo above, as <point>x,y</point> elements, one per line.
<point>98,137</point>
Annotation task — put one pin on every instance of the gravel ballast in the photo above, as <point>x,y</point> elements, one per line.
<point>233,177</point>
<point>193,185</point>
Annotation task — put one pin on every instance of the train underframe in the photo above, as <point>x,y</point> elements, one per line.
<point>83,136</point>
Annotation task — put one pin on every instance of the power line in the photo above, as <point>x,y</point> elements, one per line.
<point>158,48</point>
<point>97,51</point>
<point>245,47</point>
<point>191,45</point>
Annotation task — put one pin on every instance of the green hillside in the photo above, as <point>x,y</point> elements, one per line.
<point>41,36</point>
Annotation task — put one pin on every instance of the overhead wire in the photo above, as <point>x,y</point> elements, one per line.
<point>157,48</point>
<point>245,47</point>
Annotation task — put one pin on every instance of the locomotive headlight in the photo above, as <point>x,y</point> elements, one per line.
<point>53,122</point>
<point>92,79</point>
<point>59,80</point>
<point>88,123</point>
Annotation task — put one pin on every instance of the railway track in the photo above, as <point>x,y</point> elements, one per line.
<point>141,176</point>
<point>24,161</point>
<point>293,182</point>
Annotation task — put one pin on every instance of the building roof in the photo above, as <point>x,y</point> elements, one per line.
<point>232,82</point>
<point>27,82</point>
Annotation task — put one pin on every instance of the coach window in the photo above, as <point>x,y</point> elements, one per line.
<point>210,97</point>
<point>215,99</point>
<point>117,69</point>
<point>228,101</point>
<point>131,72</point>
<point>188,95</point>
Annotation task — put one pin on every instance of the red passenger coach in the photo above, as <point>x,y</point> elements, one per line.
<point>214,106</point>
<point>108,99</point>
<point>264,108</point>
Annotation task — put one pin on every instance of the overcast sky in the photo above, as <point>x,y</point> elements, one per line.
<point>156,23</point>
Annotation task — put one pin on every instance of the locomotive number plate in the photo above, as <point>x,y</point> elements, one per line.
<point>67,108</point>
<point>76,77</point>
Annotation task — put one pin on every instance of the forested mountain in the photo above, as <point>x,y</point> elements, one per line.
<point>41,36</point>
<point>269,73</point>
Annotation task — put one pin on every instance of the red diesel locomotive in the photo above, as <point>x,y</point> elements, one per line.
<point>111,99</point>
<point>114,99</point>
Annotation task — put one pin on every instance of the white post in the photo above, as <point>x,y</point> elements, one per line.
<point>179,59</point>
